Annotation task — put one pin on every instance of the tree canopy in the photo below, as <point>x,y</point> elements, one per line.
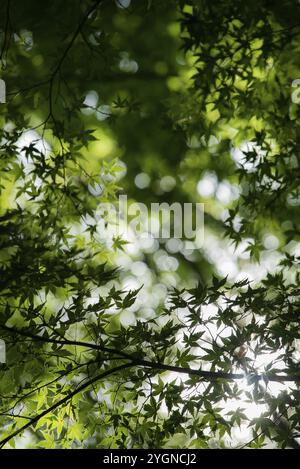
<point>133,341</point>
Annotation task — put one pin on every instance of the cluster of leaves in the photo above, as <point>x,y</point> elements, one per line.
<point>245,61</point>
<point>71,360</point>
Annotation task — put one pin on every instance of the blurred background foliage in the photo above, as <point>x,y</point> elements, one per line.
<point>164,101</point>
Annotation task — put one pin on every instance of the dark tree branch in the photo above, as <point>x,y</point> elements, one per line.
<point>63,401</point>
<point>210,375</point>
<point>64,341</point>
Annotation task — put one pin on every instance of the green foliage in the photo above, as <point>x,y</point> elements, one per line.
<point>168,88</point>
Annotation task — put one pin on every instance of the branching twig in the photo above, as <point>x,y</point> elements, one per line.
<point>63,401</point>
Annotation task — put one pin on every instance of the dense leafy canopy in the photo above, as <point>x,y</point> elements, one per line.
<point>125,342</point>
